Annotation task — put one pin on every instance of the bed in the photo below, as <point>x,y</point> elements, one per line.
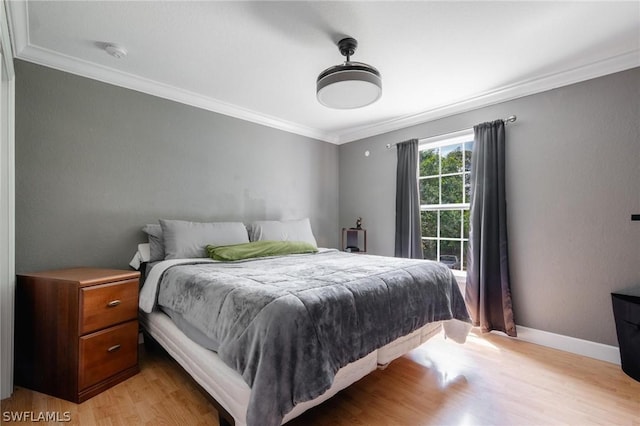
<point>272,335</point>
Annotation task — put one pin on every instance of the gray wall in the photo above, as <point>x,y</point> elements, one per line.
<point>95,162</point>
<point>573,181</point>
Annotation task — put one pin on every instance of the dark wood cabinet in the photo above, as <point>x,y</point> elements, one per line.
<point>626,310</point>
<point>76,331</point>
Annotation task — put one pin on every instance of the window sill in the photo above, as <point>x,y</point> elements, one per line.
<point>460,274</point>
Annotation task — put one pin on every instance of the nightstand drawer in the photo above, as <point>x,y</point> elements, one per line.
<point>107,352</point>
<point>108,304</point>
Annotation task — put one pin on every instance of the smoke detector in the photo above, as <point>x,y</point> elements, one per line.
<point>115,50</point>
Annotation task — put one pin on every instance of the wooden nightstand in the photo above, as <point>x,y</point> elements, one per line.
<point>76,331</point>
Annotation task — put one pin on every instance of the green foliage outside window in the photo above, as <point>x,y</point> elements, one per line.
<point>444,180</point>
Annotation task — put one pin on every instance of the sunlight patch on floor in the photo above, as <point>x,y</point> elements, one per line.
<point>478,340</point>
<point>447,360</point>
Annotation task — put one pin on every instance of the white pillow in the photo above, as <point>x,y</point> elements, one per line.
<point>145,252</point>
<point>185,240</point>
<point>141,256</point>
<point>276,230</point>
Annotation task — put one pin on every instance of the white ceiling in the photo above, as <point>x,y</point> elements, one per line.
<point>259,60</point>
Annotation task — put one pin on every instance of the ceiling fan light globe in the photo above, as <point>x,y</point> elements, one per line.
<point>348,86</point>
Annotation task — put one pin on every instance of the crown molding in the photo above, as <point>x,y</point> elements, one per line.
<point>108,75</point>
<point>18,17</point>
<point>537,85</point>
<point>22,48</point>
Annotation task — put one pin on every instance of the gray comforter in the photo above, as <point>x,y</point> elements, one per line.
<point>287,324</point>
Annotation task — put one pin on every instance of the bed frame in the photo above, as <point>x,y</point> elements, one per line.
<point>226,389</point>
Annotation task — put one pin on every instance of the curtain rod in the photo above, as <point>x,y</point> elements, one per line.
<point>510,119</point>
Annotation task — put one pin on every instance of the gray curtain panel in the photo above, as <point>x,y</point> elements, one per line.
<point>408,236</point>
<point>488,291</point>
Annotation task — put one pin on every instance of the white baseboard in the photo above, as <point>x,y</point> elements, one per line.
<point>573,345</point>
<point>570,344</point>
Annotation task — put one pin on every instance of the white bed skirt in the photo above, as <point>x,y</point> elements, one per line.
<point>228,388</point>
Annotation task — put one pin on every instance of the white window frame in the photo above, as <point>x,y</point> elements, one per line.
<point>455,138</point>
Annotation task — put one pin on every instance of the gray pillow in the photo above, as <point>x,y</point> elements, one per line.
<point>278,230</point>
<point>156,242</point>
<point>186,240</point>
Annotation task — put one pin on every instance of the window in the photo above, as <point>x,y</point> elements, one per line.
<point>444,183</point>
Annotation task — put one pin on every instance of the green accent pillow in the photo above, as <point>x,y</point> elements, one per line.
<point>259,249</point>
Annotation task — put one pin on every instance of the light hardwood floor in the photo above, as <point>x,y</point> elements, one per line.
<point>490,380</point>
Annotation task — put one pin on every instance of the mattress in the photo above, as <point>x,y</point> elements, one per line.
<point>228,388</point>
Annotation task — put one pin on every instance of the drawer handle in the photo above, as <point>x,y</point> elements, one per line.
<point>113,348</point>
<point>113,303</point>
